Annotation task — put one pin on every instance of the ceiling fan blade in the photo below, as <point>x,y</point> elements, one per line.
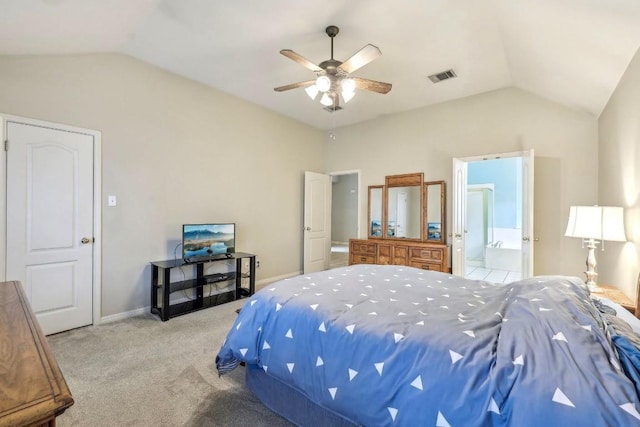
<point>301,60</point>
<point>360,58</point>
<point>372,85</point>
<point>294,86</point>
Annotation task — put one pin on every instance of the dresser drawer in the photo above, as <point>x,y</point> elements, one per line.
<point>400,255</point>
<point>364,248</point>
<point>362,259</point>
<point>425,265</point>
<point>385,254</point>
<point>434,254</point>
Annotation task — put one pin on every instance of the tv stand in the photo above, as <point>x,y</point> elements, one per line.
<point>222,287</point>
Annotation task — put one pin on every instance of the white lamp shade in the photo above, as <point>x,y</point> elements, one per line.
<point>613,224</point>
<point>312,91</point>
<point>326,100</point>
<point>323,83</point>
<point>347,96</point>
<point>348,85</point>
<point>596,222</point>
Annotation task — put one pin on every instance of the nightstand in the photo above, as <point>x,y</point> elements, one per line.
<point>615,295</point>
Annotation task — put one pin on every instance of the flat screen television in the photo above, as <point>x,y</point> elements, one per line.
<point>202,240</point>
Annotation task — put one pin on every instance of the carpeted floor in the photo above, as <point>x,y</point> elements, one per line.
<point>145,372</point>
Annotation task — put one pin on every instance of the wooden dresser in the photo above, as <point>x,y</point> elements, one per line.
<point>428,256</point>
<point>33,391</point>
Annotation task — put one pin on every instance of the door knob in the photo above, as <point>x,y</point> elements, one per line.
<point>308,229</point>
<point>86,240</point>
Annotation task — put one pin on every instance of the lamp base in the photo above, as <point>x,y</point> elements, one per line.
<point>591,281</point>
<point>591,265</point>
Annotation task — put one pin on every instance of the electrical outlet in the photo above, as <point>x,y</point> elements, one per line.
<point>257,263</point>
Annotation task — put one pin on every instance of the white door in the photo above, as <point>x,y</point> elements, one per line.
<point>458,257</point>
<point>49,245</point>
<point>458,254</point>
<point>527,214</point>
<point>317,222</point>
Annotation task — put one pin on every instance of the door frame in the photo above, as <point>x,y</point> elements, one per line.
<point>460,208</point>
<point>97,198</point>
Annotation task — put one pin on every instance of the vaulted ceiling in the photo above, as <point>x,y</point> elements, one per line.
<point>570,51</point>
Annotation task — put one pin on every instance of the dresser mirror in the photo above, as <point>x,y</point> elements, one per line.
<point>375,211</point>
<point>406,207</point>
<point>434,213</point>
<point>404,200</point>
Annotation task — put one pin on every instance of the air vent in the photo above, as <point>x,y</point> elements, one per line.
<point>331,108</point>
<point>445,75</point>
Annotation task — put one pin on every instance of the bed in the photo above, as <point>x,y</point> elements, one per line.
<point>393,345</point>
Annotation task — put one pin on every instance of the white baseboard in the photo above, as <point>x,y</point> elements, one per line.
<point>125,315</point>
<point>264,282</point>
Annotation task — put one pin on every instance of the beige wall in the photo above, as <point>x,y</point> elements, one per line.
<point>426,140</point>
<point>619,178</point>
<point>173,152</point>
<point>160,131</point>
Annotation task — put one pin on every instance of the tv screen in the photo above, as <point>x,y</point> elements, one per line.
<point>208,239</point>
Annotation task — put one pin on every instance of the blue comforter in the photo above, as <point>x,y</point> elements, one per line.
<point>392,345</point>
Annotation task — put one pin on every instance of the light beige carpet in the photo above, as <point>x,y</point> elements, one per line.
<point>145,372</point>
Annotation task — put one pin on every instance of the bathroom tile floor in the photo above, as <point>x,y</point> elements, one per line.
<point>489,275</point>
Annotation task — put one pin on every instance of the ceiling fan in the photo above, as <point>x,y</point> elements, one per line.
<point>333,77</point>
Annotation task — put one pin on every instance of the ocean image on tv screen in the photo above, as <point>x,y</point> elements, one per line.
<point>208,239</point>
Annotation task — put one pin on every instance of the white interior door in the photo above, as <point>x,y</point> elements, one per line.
<point>458,253</point>
<point>527,214</point>
<point>50,213</point>
<point>317,222</point>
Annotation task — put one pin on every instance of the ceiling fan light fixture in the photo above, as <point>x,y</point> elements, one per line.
<point>312,91</point>
<point>348,85</point>
<point>347,96</point>
<point>332,76</point>
<point>326,100</point>
<point>323,83</point>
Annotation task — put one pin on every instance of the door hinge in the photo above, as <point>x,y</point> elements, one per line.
<point>6,145</point>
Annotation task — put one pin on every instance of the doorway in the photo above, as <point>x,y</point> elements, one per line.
<point>345,214</point>
<point>52,219</point>
<point>493,217</point>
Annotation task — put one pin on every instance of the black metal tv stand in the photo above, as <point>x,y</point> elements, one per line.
<point>222,287</point>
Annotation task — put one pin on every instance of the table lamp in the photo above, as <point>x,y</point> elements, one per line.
<point>594,225</point>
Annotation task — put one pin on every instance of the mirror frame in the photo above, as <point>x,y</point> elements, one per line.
<point>425,212</point>
<point>382,204</point>
<point>404,180</point>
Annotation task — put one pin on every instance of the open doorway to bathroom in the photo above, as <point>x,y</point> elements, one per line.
<point>493,217</point>
<point>494,226</point>
<point>344,215</point>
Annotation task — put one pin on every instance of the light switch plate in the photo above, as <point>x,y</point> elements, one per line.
<point>112,201</point>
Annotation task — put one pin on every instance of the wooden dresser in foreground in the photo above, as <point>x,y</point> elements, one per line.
<point>428,256</point>
<point>33,391</point>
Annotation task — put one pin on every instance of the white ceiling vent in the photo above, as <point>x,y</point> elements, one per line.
<point>444,75</point>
